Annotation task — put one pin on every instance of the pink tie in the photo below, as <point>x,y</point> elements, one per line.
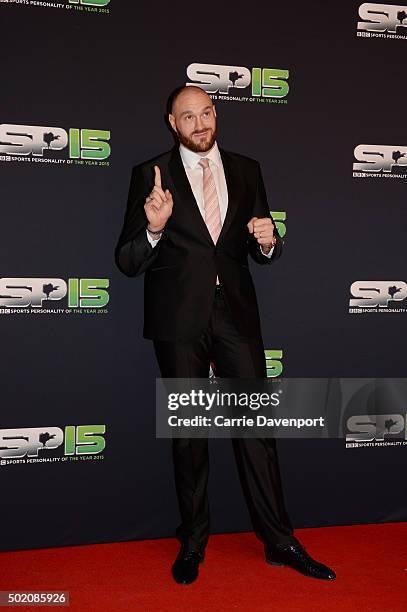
<point>210,201</point>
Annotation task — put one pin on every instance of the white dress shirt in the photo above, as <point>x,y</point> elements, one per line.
<point>194,172</point>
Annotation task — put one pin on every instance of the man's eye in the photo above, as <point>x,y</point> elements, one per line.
<point>189,117</point>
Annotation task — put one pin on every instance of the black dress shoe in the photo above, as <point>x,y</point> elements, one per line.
<point>295,556</point>
<point>186,566</point>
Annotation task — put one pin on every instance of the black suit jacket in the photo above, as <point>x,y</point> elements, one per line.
<point>180,271</point>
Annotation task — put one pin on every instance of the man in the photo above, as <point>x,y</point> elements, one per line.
<point>193,216</point>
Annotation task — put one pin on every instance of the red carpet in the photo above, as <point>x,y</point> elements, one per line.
<point>370,562</point>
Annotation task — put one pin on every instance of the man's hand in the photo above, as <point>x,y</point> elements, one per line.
<point>158,205</point>
<point>263,230</point>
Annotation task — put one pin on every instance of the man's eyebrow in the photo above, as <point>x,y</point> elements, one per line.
<point>189,112</point>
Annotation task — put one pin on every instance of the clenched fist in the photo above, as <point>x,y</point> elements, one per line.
<point>263,231</point>
<point>158,205</point>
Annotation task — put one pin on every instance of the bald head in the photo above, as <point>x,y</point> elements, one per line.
<point>193,118</point>
<point>188,92</point>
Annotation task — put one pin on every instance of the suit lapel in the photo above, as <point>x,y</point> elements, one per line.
<point>232,182</point>
<point>186,198</point>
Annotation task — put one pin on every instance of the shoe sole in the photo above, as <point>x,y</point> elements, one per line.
<point>276,563</point>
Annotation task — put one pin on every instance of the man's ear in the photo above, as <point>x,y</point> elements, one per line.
<point>171,119</point>
<point>214,110</point>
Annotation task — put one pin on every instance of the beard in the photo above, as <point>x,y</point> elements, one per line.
<point>198,146</point>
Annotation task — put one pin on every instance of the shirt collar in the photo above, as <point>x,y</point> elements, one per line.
<point>191,159</point>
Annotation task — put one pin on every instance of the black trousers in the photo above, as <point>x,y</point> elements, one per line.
<point>256,459</point>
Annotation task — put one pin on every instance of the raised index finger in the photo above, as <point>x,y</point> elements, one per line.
<point>157,178</point>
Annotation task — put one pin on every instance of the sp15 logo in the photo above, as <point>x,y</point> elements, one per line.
<point>77,440</point>
<point>279,218</point>
<point>382,17</point>
<point>370,427</point>
<point>214,78</point>
<point>90,2</point>
<point>274,364</point>
<point>24,292</point>
<point>34,140</point>
<point>380,158</point>
<point>371,294</point>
